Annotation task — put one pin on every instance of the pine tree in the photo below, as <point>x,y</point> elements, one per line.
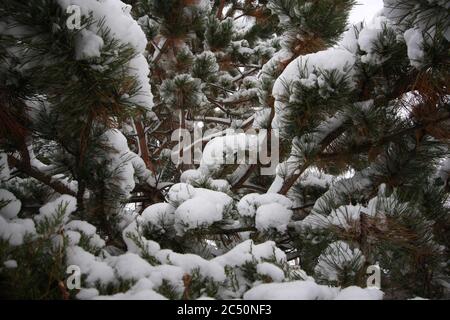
<point>88,138</point>
<point>377,109</point>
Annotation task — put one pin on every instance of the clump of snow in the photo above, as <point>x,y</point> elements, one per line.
<point>192,176</point>
<point>87,294</point>
<point>274,216</point>
<point>125,163</point>
<point>197,207</point>
<point>134,230</point>
<point>223,149</point>
<point>414,41</point>
<point>89,230</point>
<point>247,251</point>
<point>297,290</point>
<point>309,290</point>
<point>171,274</point>
<point>117,19</point>
<point>220,185</point>
<point>130,266</point>
<point>90,265</point>
<point>142,290</point>
<point>139,68</point>
<point>15,230</point>
<point>159,215</point>
<point>73,237</point>
<point>180,192</point>
<point>88,45</point>
<point>190,262</point>
<point>358,293</point>
<point>10,264</point>
<point>249,204</point>
<point>9,204</point>
<point>200,176</point>
<point>61,208</point>
<point>367,38</point>
<point>221,199</point>
<point>270,270</point>
<point>195,213</point>
<point>134,295</point>
<point>83,226</point>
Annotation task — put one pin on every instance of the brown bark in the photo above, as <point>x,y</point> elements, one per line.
<point>220,10</point>
<point>143,148</point>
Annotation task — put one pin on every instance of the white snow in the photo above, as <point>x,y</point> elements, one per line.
<point>180,192</point>
<point>159,215</point>
<point>191,176</point>
<point>228,149</point>
<point>221,199</point>
<point>297,290</point>
<point>414,41</point>
<point>130,266</point>
<point>269,198</point>
<point>248,251</point>
<point>135,229</point>
<point>89,230</point>
<point>197,207</point>
<point>73,237</point>
<point>10,264</point>
<point>358,293</point>
<point>132,295</point>
<point>270,270</point>
<point>172,274</point>
<point>88,45</point>
<point>9,204</point>
<point>90,265</point>
<point>190,262</point>
<point>15,230</point>
<point>220,185</point>
<point>367,37</point>
<point>83,226</point>
<point>125,163</point>
<point>141,290</point>
<point>345,216</point>
<point>274,216</point>
<point>248,205</point>
<point>61,208</point>
<point>195,213</point>
<point>309,290</point>
<point>87,294</point>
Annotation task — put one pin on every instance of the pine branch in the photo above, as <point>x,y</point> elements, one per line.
<point>362,148</point>
<point>287,185</point>
<point>26,168</point>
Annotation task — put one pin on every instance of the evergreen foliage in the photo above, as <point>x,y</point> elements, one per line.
<point>87,117</point>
